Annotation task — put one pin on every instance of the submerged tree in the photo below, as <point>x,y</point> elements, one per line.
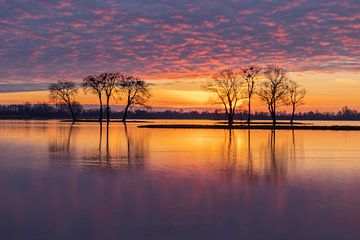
<point>250,75</point>
<point>226,85</point>
<point>96,86</point>
<point>295,97</point>
<point>273,90</point>
<point>64,93</point>
<point>136,92</point>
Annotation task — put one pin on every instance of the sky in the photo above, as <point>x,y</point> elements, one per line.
<point>178,45</point>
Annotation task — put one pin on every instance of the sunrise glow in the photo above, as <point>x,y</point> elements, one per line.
<point>177,47</point>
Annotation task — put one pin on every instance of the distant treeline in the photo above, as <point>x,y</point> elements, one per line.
<point>47,111</point>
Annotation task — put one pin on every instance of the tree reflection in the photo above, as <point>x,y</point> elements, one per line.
<point>108,158</point>
<point>98,158</point>
<point>116,156</point>
<point>277,165</point>
<point>270,163</point>
<point>293,148</point>
<point>60,144</point>
<point>249,155</point>
<point>62,140</point>
<point>246,153</point>
<point>114,146</point>
<point>235,160</point>
<point>135,148</point>
<point>231,152</point>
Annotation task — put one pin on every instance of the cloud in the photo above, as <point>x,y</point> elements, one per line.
<point>51,40</point>
<point>23,87</point>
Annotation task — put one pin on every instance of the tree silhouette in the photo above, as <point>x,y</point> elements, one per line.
<point>226,85</point>
<point>250,75</point>
<point>109,81</point>
<point>273,90</point>
<point>96,86</point>
<point>295,98</point>
<point>136,92</point>
<point>64,93</point>
<point>348,113</point>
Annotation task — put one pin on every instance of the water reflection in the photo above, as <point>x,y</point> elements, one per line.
<point>268,155</point>
<point>231,152</point>
<point>123,146</point>
<point>249,169</point>
<point>117,146</point>
<point>277,166</point>
<point>61,143</point>
<point>256,158</point>
<point>182,184</point>
<point>234,155</point>
<point>252,153</point>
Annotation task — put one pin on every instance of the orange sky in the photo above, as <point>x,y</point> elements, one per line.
<point>327,91</point>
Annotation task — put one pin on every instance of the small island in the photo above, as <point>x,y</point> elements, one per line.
<point>255,126</point>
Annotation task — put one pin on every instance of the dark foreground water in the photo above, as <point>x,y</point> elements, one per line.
<point>59,181</point>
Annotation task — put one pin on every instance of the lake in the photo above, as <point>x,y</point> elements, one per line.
<point>83,181</point>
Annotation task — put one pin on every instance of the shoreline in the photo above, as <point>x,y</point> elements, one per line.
<point>254,121</point>
<point>104,121</point>
<point>260,127</point>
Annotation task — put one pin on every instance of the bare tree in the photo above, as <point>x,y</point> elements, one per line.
<point>64,93</point>
<point>136,92</point>
<point>227,86</point>
<point>273,90</point>
<point>295,98</point>
<point>110,81</point>
<point>250,75</point>
<point>96,86</point>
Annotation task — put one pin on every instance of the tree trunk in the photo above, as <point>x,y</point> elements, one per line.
<point>273,115</point>
<point>72,113</point>
<point>125,113</point>
<point>107,109</point>
<point>101,109</point>
<point>249,112</point>
<point>292,116</point>
<point>230,118</point>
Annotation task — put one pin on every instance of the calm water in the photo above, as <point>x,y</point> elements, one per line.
<point>59,181</point>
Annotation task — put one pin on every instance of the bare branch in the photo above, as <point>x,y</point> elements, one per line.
<point>64,93</point>
<point>273,90</point>
<point>135,90</point>
<point>227,87</point>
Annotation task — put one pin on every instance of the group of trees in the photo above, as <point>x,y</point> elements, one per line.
<point>271,84</point>
<point>114,85</point>
<point>230,87</point>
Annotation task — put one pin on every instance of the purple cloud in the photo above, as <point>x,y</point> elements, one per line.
<point>48,40</point>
